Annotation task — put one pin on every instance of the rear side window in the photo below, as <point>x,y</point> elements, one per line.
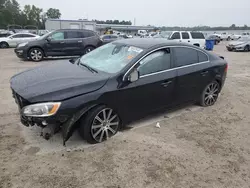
<point>155,62</point>
<point>27,36</point>
<point>17,36</point>
<point>197,35</point>
<point>185,35</point>
<point>176,35</point>
<point>88,34</point>
<point>202,56</point>
<point>74,35</point>
<point>185,56</point>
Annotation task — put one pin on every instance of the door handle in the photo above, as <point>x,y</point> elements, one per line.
<point>166,83</point>
<point>204,73</point>
<point>79,41</point>
<point>62,42</point>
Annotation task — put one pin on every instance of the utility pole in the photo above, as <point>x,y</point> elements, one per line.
<point>134,21</point>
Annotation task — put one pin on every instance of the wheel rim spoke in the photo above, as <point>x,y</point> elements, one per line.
<point>107,134</point>
<point>99,119</point>
<point>96,126</point>
<point>104,114</point>
<point>112,130</point>
<point>110,112</point>
<point>101,137</point>
<point>97,133</point>
<point>113,118</point>
<point>114,123</point>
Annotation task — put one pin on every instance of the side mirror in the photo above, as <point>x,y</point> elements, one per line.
<point>134,76</point>
<point>73,60</point>
<point>11,37</point>
<point>49,39</point>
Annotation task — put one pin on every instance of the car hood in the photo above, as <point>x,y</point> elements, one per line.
<point>57,81</point>
<point>234,43</point>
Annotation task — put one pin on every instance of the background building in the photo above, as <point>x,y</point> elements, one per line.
<point>53,24</point>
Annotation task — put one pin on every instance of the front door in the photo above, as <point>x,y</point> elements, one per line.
<point>153,90</point>
<point>55,44</point>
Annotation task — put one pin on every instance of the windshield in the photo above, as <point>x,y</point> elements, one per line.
<point>244,39</point>
<point>110,58</point>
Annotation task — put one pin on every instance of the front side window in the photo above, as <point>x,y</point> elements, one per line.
<point>57,36</point>
<point>185,56</point>
<point>155,62</point>
<point>110,58</point>
<point>176,35</point>
<point>27,36</point>
<point>185,35</point>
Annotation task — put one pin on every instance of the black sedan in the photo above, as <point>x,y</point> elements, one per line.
<point>116,84</point>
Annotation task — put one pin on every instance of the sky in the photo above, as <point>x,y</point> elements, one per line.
<point>153,12</point>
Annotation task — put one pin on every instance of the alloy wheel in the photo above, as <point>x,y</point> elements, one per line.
<point>36,55</point>
<point>247,48</point>
<point>211,93</point>
<point>3,45</point>
<point>104,125</point>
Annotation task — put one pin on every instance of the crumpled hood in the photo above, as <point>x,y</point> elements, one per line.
<point>234,43</point>
<point>56,82</point>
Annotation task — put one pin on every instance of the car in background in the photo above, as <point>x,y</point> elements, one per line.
<point>65,42</point>
<point>191,37</point>
<point>15,39</point>
<point>242,44</point>
<point>115,84</point>
<point>109,38</point>
<point>216,38</point>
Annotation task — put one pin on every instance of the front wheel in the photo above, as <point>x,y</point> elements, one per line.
<point>36,54</point>
<point>210,94</point>
<point>99,125</point>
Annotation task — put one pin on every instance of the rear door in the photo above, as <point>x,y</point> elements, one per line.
<point>185,37</point>
<point>73,42</point>
<point>56,44</point>
<point>193,72</point>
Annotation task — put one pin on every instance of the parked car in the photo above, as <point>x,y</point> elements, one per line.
<point>14,40</point>
<point>215,38</point>
<point>228,37</point>
<point>68,42</point>
<point>243,44</point>
<point>115,84</point>
<point>109,38</point>
<point>194,38</point>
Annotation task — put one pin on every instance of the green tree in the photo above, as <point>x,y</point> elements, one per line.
<point>53,13</point>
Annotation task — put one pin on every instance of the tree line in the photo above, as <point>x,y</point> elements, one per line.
<point>205,28</point>
<point>11,15</point>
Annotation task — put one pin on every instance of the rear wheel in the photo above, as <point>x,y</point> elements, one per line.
<point>36,54</point>
<point>210,94</point>
<point>88,49</point>
<point>4,45</point>
<point>99,125</point>
<point>247,48</point>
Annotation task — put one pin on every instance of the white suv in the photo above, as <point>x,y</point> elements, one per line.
<point>192,37</point>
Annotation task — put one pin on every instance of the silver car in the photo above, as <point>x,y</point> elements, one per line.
<point>15,39</point>
<point>242,44</point>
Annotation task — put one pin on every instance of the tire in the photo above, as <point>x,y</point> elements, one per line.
<point>36,54</point>
<point>247,48</point>
<point>210,94</point>
<point>4,45</point>
<point>94,129</point>
<point>88,49</point>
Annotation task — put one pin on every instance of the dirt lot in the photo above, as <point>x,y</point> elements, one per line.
<point>195,147</point>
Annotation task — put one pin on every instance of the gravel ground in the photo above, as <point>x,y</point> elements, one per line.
<point>195,147</point>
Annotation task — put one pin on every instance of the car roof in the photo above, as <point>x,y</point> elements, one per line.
<point>146,43</point>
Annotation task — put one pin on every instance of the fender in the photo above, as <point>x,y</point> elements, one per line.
<point>68,127</point>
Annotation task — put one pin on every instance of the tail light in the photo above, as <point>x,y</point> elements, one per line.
<point>226,67</point>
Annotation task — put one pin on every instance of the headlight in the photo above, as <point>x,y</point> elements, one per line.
<point>22,44</point>
<point>41,109</point>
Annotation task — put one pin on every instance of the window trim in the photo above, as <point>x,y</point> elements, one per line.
<point>176,68</point>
